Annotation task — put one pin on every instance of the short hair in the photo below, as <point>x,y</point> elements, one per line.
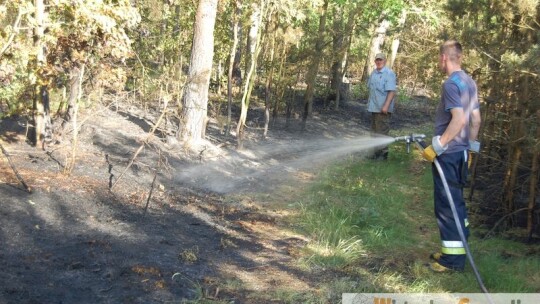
<point>452,48</point>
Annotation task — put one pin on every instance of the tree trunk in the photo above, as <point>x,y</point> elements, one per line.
<point>517,140</point>
<point>472,172</point>
<point>376,43</point>
<point>272,28</point>
<point>195,101</point>
<point>337,46</point>
<point>248,85</point>
<point>282,87</point>
<point>163,30</point>
<point>41,93</point>
<point>314,67</point>
<point>252,36</point>
<point>219,74</point>
<point>510,179</point>
<point>289,107</point>
<point>395,41</point>
<point>341,50</point>
<point>533,184</point>
<point>235,28</point>
<point>75,81</point>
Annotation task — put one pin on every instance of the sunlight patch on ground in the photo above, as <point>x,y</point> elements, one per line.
<point>263,277</point>
<point>208,220</point>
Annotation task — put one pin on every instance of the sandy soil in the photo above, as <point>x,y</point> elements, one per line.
<point>207,223</point>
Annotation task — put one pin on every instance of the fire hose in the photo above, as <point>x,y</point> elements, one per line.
<point>418,139</point>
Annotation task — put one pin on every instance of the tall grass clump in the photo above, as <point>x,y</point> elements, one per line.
<point>356,207</point>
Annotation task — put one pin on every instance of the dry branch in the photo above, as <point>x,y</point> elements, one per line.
<point>21,180</point>
<point>14,32</point>
<point>153,185</point>
<point>150,193</point>
<point>501,220</point>
<point>150,133</point>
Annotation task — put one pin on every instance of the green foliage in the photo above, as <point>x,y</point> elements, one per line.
<point>166,31</point>
<point>360,91</point>
<point>92,33</point>
<point>378,9</point>
<point>11,93</point>
<point>101,26</point>
<point>14,62</point>
<point>386,211</point>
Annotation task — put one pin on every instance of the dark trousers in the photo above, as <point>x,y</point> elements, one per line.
<point>380,125</point>
<point>454,167</point>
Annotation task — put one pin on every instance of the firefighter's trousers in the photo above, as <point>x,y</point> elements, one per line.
<point>454,167</point>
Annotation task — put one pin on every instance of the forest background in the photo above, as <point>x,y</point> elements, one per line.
<point>194,61</point>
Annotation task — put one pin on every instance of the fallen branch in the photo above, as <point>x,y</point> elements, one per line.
<point>150,194</point>
<point>152,186</point>
<point>150,133</point>
<point>501,220</point>
<point>21,180</point>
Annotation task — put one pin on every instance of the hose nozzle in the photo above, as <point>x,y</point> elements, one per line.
<point>410,139</point>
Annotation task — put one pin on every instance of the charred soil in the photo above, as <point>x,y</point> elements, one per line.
<point>159,235</point>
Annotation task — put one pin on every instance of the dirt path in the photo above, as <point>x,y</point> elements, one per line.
<point>74,241</point>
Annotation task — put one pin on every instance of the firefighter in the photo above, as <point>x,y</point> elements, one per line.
<point>457,122</point>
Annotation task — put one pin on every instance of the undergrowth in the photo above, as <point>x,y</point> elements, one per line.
<point>374,222</point>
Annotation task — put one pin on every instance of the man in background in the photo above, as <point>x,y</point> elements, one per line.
<point>382,90</point>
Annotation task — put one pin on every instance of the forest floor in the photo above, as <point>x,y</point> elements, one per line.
<point>213,227</point>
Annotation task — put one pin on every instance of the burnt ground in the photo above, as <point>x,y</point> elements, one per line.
<point>207,232</point>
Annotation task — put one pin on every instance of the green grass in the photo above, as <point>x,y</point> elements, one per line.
<point>364,200</point>
<point>374,221</point>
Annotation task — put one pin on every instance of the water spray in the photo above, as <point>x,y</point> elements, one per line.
<point>263,165</point>
<point>418,139</point>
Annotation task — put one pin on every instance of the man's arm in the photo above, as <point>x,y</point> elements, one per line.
<point>387,102</point>
<point>475,124</point>
<point>390,87</point>
<point>456,125</point>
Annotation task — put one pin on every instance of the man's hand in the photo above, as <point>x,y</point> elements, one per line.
<point>474,146</point>
<point>387,102</point>
<point>429,154</point>
<point>434,150</point>
<point>437,146</point>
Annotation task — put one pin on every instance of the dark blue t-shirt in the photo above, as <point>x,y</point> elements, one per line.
<point>458,91</point>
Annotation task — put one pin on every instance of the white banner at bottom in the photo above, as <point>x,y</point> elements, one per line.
<point>440,298</point>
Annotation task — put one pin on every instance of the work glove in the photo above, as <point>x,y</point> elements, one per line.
<point>435,149</point>
<point>474,146</point>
